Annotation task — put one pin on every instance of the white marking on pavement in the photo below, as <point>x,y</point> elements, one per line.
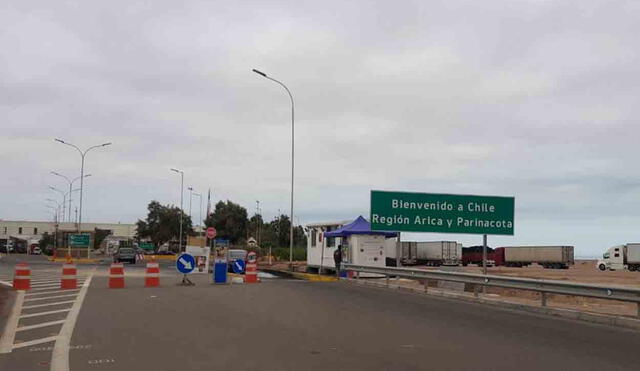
<point>35,342</point>
<point>9,333</point>
<point>48,288</point>
<point>101,361</point>
<point>51,297</point>
<point>39,325</point>
<point>44,313</point>
<point>60,354</point>
<point>47,304</point>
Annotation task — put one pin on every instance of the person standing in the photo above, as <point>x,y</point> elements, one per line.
<point>337,259</point>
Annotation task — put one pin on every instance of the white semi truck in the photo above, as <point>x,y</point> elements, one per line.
<point>621,257</point>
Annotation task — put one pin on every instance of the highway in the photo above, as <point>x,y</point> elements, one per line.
<point>285,324</point>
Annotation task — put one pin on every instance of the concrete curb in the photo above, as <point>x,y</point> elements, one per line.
<point>603,319</point>
<point>300,276</point>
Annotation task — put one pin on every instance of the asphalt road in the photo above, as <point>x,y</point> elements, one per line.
<point>297,325</point>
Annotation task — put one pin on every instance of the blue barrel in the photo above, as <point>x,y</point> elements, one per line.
<point>343,273</point>
<point>220,272</point>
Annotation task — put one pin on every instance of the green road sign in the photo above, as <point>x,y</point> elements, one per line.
<point>79,240</point>
<point>442,213</point>
<point>147,246</point>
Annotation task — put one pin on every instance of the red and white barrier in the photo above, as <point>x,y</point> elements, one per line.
<point>251,270</point>
<point>152,275</point>
<point>116,276</point>
<point>69,276</point>
<point>22,277</point>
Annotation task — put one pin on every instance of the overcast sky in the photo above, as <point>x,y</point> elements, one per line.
<point>532,99</point>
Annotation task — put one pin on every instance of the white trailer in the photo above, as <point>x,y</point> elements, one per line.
<point>319,249</point>
<point>438,253</point>
<point>560,257</point>
<point>358,247</point>
<point>621,257</point>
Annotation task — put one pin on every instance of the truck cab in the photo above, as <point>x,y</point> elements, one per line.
<point>612,259</point>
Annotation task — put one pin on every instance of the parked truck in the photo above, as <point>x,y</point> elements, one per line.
<point>438,253</point>
<point>434,253</point>
<point>554,257</point>
<point>621,257</point>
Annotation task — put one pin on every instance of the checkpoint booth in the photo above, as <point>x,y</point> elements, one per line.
<point>360,245</point>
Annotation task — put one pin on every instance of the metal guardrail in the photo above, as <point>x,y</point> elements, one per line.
<point>544,287</point>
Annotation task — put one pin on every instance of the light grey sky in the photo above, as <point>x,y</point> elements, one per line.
<point>532,99</point>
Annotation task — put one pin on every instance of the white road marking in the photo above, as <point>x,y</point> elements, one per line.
<point>9,333</point>
<point>35,342</point>
<point>51,297</point>
<point>60,354</point>
<point>47,304</point>
<point>39,325</point>
<point>44,313</point>
<point>48,288</point>
<point>100,361</point>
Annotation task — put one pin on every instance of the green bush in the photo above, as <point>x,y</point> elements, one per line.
<point>282,253</point>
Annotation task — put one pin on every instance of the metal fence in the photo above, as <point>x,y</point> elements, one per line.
<point>544,287</point>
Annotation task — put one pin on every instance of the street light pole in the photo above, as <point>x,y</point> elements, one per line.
<point>190,197</point>
<point>64,199</point>
<point>70,181</point>
<point>181,201</point>
<point>82,155</point>
<point>292,160</point>
<point>198,195</point>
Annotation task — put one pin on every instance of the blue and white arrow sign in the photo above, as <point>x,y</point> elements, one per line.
<point>238,266</point>
<point>186,263</point>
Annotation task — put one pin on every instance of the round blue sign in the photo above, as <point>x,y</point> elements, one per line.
<point>186,263</point>
<point>238,266</point>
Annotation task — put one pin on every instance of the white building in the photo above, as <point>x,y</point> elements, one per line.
<point>32,231</point>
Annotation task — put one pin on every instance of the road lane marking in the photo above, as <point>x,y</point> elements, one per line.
<point>44,313</point>
<point>39,325</point>
<point>35,342</point>
<point>47,288</point>
<point>60,354</point>
<point>6,283</point>
<point>47,304</point>
<point>51,297</point>
<point>9,333</point>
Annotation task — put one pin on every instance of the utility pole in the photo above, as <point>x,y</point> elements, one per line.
<point>181,202</point>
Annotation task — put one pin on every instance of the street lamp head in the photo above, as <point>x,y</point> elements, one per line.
<point>88,175</point>
<point>176,170</point>
<point>60,140</point>
<point>106,144</point>
<point>260,73</point>
<point>190,188</point>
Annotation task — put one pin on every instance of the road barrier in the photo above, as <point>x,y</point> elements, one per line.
<point>22,277</point>
<point>116,276</point>
<point>251,268</point>
<point>69,277</point>
<point>544,287</point>
<point>152,275</point>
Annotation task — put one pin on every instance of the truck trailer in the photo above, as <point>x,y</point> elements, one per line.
<point>554,257</point>
<point>433,253</point>
<point>621,257</point>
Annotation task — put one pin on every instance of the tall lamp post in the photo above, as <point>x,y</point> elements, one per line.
<point>292,160</point>
<point>190,196</point>
<point>181,199</point>
<point>82,155</point>
<point>70,181</point>
<point>199,195</point>
<point>64,199</point>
